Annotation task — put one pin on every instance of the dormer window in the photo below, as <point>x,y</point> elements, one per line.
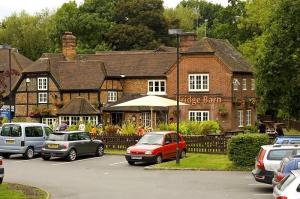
<point>42,83</point>
<point>236,84</point>
<point>157,87</point>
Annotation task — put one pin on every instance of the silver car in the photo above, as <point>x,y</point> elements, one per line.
<point>23,138</point>
<point>70,145</point>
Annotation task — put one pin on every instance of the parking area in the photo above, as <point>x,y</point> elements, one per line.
<point>111,177</point>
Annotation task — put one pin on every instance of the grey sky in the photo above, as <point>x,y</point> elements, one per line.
<point>7,7</point>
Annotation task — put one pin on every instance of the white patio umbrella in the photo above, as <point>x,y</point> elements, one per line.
<point>151,101</point>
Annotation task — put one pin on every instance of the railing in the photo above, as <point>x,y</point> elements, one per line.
<point>195,143</point>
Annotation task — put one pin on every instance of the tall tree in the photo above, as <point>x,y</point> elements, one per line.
<point>30,34</point>
<point>139,17</point>
<point>278,69</point>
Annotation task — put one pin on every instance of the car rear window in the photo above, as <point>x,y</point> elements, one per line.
<point>11,130</point>
<point>279,154</point>
<point>57,137</point>
<point>286,182</point>
<point>34,131</point>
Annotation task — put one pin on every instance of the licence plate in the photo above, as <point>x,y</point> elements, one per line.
<point>53,146</point>
<point>136,157</point>
<point>10,141</point>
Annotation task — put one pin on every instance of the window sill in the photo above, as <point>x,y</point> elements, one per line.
<point>156,93</point>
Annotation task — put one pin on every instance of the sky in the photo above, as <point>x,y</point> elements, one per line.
<point>8,7</point>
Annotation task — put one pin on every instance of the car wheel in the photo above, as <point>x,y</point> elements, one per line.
<point>158,159</point>
<point>183,154</point>
<point>131,162</point>
<point>6,155</point>
<point>46,157</point>
<point>1,180</point>
<point>72,155</point>
<point>29,153</point>
<point>100,151</point>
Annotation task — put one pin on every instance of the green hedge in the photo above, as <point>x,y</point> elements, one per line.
<point>243,148</point>
<point>192,127</point>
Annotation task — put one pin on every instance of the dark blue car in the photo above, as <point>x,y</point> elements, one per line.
<point>286,166</point>
<point>287,140</point>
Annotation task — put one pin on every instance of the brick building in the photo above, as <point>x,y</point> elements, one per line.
<point>214,79</point>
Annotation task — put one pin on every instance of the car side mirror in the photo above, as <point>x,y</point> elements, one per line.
<point>298,188</point>
<point>136,141</point>
<point>167,142</point>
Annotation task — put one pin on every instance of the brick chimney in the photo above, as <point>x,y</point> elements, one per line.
<point>69,46</point>
<point>187,40</point>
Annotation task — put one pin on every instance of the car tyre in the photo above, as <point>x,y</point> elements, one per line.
<point>1,180</point>
<point>100,151</point>
<point>46,157</point>
<point>29,153</point>
<point>158,159</point>
<point>183,154</point>
<point>6,155</point>
<point>130,162</point>
<point>72,155</point>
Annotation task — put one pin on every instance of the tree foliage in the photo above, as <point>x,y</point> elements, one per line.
<point>30,34</point>
<point>278,68</point>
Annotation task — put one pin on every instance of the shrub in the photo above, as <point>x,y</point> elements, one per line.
<point>250,129</point>
<point>128,128</point>
<point>192,127</point>
<point>111,129</point>
<point>73,127</point>
<point>243,148</point>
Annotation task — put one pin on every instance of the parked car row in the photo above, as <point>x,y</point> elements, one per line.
<point>279,165</point>
<point>29,139</point>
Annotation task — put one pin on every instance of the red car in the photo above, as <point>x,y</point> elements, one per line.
<point>154,147</point>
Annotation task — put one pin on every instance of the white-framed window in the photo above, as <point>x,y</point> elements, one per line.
<point>157,87</point>
<point>235,84</point>
<point>146,119</point>
<point>42,83</point>
<point>248,117</point>
<point>240,118</point>
<point>90,119</point>
<point>198,116</point>
<point>49,121</point>
<point>43,98</point>
<point>244,84</point>
<point>198,82</point>
<point>112,96</point>
<point>74,120</point>
<point>253,84</point>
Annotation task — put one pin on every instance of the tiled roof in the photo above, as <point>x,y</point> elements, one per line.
<point>78,106</point>
<point>70,75</point>
<point>18,63</point>
<point>224,51</point>
<point>135,64</point>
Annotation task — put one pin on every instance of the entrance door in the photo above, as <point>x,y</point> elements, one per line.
<point>116,118</point>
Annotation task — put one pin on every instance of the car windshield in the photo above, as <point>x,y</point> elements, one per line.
<point>286,182</point>
<point>11,130</point>
<point>152,139</point>
<point>57,137</point>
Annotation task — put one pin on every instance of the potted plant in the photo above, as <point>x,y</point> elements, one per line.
<point>222,110</point>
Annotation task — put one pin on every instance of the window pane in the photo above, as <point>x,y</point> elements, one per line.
<point>162,86</point>
<point>192,83</point>
<point>205,82</point>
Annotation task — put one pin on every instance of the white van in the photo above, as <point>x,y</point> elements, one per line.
<point>23,138</point>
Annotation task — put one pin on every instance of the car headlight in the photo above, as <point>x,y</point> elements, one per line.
<point>128,150</point>
<point>148,152</point>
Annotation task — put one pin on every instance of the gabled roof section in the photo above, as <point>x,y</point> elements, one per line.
<point>224,51</point>
<point>18,63</point>
<point>136,63</point>
<point>70,75</point>
<point>78,106</point>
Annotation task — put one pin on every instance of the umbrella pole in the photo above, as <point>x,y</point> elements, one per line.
<point>151,117</point>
